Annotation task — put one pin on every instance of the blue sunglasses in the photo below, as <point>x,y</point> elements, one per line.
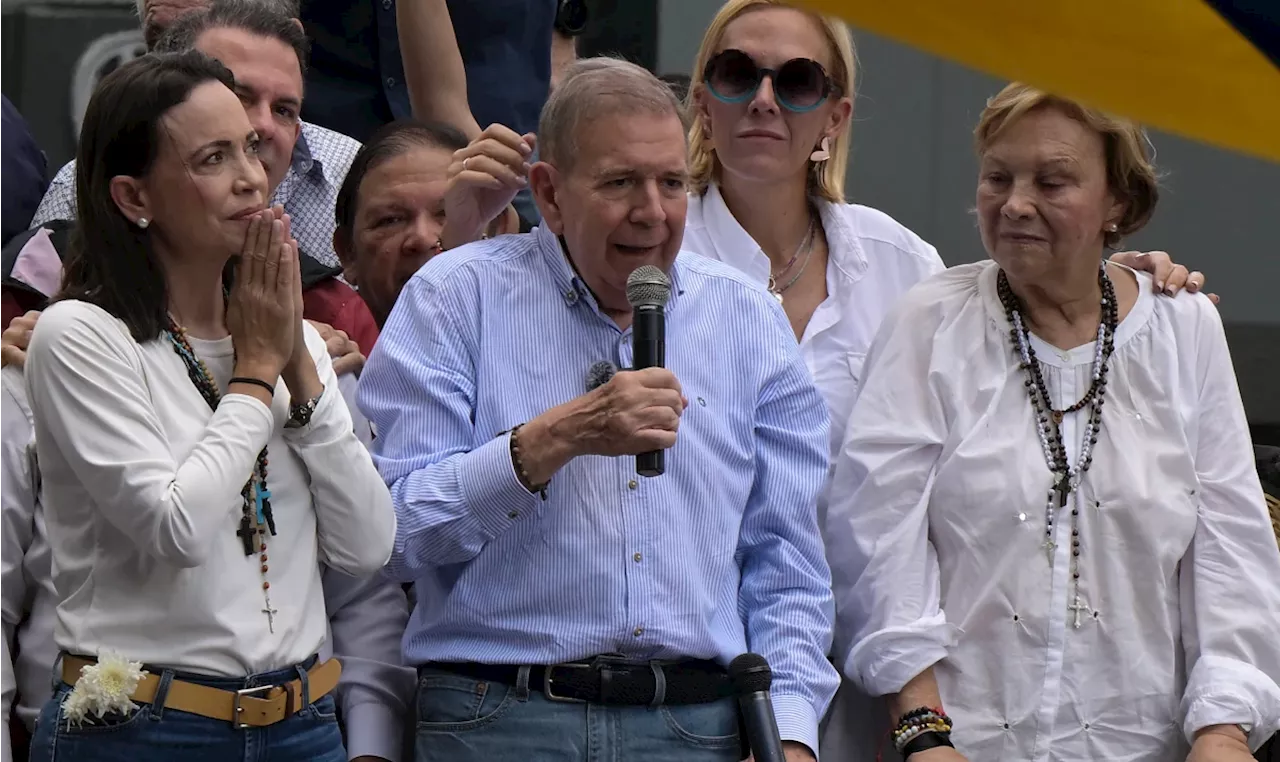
<point>799,85</point>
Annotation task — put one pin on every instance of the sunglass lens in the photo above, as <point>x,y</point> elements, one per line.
<point>801,84</point>
<point>732,75</point>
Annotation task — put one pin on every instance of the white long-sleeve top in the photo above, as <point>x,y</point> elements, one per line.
<point>141,491</point>
<point>939,497</point>
<point>366,616</point>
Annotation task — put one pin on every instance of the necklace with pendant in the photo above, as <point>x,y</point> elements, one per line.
<point>806,248</point>
<point>1066,477</point>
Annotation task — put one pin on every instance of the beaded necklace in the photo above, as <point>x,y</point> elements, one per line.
<point>256,518</point>
<point>1067,477</point>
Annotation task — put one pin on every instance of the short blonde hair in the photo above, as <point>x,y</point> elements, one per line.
<point>826,180</point>
<point>1131,175</point>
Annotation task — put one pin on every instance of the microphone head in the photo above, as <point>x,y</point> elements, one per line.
<point>599,374</point>
<point>648,286</point>
<point>750,673</point>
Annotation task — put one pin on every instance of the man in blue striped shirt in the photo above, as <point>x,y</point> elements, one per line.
<point>567,608</point>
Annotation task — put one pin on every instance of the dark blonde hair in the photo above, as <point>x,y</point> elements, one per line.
<point>826,180</point>
<point>1131,175</point>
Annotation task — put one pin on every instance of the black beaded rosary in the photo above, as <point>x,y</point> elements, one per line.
<point>256,518</point>
<point>1067,478</point>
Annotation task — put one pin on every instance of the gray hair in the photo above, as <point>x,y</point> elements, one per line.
<point>592,87</point>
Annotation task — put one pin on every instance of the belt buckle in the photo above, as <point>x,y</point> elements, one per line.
<point>237,709</point>
<point>549,678</point>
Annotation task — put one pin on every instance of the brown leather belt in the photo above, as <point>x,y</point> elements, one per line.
<point>245,708</point>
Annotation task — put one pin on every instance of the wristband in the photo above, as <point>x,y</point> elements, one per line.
<point>271,389</point>
<point>930,739</point>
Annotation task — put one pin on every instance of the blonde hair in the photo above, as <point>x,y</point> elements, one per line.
<point>1131,175</point>
<point>826,180</point>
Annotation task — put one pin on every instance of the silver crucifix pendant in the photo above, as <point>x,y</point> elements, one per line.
<point>1077,607</point>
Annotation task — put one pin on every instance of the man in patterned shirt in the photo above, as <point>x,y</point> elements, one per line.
<point>304,163</point>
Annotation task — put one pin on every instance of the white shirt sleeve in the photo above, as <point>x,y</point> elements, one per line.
<point>889,624</point>
<point>1230,599</point>
<point>355,522</point>
<point>90,397</point>
<point>367,619</point>
<point>18,527</point>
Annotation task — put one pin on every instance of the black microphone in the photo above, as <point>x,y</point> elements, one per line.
<point>751,679</point>
<point>648,289</point>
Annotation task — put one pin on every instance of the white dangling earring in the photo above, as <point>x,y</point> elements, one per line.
<point>143,222</point>
<point>823,153</point>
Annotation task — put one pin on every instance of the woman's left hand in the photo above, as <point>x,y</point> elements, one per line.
<point>1167,276</point>
<point>1225,745</point>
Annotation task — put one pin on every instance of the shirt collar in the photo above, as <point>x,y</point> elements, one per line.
<point>303,162</point>
<point>571,286</point>
<point>736,246</point>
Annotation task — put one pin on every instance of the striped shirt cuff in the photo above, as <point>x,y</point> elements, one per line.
<point>796,720</point>
<point>491,489</point>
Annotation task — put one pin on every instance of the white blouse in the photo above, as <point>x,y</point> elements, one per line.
<point>141,494</point>
<point>939,500</point>
<point>872,261</point>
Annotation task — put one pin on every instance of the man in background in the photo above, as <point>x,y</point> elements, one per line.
<point>25,172</point>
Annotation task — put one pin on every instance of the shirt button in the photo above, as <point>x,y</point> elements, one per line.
<point>637,557</point>
<point>570,296</point>
<point>513,515</point>
<point>386,5</point>
<point>633,484</point>
<point>638,631</point>
<point>391,81</point>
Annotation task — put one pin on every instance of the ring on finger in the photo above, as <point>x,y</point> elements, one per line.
<point>464,163</point>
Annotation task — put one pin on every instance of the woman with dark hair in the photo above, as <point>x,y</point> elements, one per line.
<point>181,428</point>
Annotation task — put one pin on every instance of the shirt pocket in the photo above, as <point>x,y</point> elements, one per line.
<point>838,379</point>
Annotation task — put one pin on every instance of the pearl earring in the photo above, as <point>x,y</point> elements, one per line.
<point>1112,227</point>
<point>823,153</point>
<point>143,222</point>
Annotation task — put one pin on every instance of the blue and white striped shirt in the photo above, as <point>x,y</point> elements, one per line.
<point>720,555</point>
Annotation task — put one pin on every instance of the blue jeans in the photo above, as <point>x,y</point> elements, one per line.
<point>461,719</point>
<point>153,732</point>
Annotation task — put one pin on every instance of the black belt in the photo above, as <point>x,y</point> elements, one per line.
<point>610,680</point>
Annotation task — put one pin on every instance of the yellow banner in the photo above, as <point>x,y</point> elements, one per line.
<point>1175,65</point>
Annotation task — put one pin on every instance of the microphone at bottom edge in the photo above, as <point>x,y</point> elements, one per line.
<point>751,678</point>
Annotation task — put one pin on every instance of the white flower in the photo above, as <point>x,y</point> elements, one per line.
<point>103,688</point>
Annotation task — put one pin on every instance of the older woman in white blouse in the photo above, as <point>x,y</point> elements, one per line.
<point>197,459</point>
<point>1049,524</point>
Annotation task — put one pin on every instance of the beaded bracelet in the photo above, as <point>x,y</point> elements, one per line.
<point>518,464</point>
<point>917,722</point>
